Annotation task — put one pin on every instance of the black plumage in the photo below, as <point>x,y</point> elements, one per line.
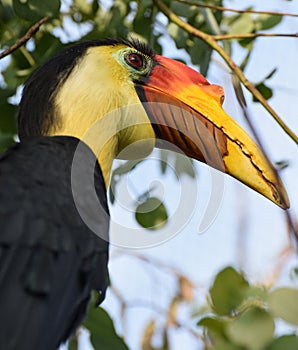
<point>50,259</point>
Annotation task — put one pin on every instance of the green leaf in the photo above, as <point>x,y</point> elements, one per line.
<point>242,24</point>
<point>228,291</point>
<point>200,54</point>
<point>220,343</point>
<point>254,329</point>
<point>163,160</point>
<point>117,26</point>
<point>73,343</point>
<point>85,7</point>
<point>281,165</point>
<point>264,90</point>
<point>216,330</point>
<point>151,214</point>
<point>102,331</point>
<point>45,7</point>
<point>8,118</point>
<point>283,302</point>
<point>112,189</point>
<point>184,165</point>
<point>45,47</point>
<point>216,325</point>
<point>179,35</point>
<point>142,22</point>
<point>117,173</point>
<point>294,273</point>
<point>126,167</point>
<point>270,75</point>
<point>23,10</point>
<point>264,21</point>
<point>6,140</point>
<point>285,342</point>
<point>10,73</point>
<point>33,10</point>
<point>247,57</point>
<point>183,10</point>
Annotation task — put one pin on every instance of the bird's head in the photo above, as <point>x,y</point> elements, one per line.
<point>114,94</point>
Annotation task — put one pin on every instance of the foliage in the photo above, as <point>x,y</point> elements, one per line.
<point>104,336</point>
<point>240,316</point>
<point>151,213</point>
<point>236,315</point>
<point>101,328</point>
<point>244,315</point>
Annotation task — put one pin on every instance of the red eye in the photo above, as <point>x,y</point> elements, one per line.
<point>135,60</point>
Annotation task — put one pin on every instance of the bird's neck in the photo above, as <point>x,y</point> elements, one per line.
<point>98,133</point>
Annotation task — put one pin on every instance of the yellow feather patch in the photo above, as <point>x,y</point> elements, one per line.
<point>99,105</point>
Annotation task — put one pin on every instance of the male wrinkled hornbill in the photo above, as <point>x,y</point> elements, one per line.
<point>54,231</point>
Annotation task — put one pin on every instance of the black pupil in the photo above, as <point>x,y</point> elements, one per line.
<point>135,60</point>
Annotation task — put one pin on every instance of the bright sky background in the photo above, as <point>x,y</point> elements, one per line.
<point>201,256</point>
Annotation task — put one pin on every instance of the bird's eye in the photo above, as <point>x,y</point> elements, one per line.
<point>135,60</point>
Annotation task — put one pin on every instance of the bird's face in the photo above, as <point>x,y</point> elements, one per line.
<point>98,103</point>
<point>124,94</point>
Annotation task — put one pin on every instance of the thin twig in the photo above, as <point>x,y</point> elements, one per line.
<point>153,262</point>
<point>279,264</point>
<point>252,35</point>
<point>140,303</point>
<point>32,30</point>
<point>221,8</point>
<point>209,40</point>
<point>241,100</point>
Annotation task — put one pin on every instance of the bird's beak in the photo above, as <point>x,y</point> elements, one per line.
<point>186,111</point>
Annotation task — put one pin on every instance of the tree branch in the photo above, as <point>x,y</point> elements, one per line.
<point>241,100</point>
<point>221,8</point>
<point>32,30</point>
<point>252,35</point>
<point>209,40</point>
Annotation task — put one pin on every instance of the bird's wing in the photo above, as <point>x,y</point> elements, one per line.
<point>50,259</point>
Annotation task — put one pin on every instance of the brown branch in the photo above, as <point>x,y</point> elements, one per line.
<point>221,8</point>
<point>252,35</point>
<point>32,30</point>
<point>241,100</point>
<point>209,40</point>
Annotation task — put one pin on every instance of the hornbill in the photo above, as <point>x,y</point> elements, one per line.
<point>79,111</point>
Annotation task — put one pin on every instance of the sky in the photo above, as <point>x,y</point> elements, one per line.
<point>200,255</point>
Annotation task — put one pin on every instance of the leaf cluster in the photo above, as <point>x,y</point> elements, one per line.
<point>101,329</point>
<point>204,20</point>
<point>236,315</point>
<point>150,211</point>
<point>245,316</point>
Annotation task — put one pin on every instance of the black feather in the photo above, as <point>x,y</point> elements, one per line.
<point>50,259</point>
<point>141,46</point>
